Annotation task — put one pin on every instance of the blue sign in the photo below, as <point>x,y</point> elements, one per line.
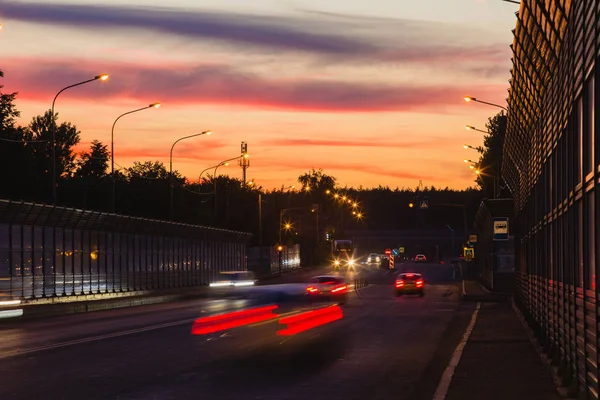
<point>424,204</point>
<point>500,228</point>
<point>395,252</point>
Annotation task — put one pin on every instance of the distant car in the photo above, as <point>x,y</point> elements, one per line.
<point>420,258</point>
<point>373,258</point>
<point>328,287</point>
<point>344,263</point>
<point>235,278</point>
<point>410,283</point>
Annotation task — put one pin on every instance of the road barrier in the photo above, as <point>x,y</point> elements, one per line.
<point>49,252</point>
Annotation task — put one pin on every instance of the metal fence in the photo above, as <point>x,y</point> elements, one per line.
<point>48,251</point>
<point>551,163</point>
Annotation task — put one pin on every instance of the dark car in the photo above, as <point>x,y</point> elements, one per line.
<point>328,287</point>
<point>410,283</point>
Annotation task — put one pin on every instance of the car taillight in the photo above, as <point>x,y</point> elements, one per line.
<point>410,275</point>
<point>312,289</point>
<point>419,283</point>
<point>399,283</point>
<point>340,289</point>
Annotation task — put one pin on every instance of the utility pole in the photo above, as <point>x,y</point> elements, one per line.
<point>244,161</point>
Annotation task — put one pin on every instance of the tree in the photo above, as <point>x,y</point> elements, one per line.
<point>317,180</point>
<point>491,157</point>
<point>147,170</point>
<point>8,110</point>
<point>92,165</point>
<point>67,136</point>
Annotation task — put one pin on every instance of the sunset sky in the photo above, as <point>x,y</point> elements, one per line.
<point>369,91</point>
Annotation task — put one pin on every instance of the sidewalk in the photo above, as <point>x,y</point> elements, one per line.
<point>474,291</point>
<point>500,362</point>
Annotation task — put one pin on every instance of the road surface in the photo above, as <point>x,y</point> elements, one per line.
<point>384,347</point>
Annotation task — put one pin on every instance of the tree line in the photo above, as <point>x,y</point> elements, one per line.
<point>143,189</point>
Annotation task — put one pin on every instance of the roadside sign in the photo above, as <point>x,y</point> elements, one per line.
<point>500,228</point>
<point>469,253</point>
<point>395,252</point>
<point>391,262</point>
<point>401,250</point>
<point>424,204</point>
<point>388,252</point>
<point>472,238</point>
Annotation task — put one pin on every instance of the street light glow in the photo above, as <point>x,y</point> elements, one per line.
<point>154,105</point>
<point>246,155</point>
<point>469,98</point>
<point>469,127</point>
<point>354,204</point>
<point>101,77</point>
<point>327,191</point>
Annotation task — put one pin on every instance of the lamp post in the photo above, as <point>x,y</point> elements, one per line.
<point>101,77</point>
<point>171,184</point>
<point>112,151</point>
<point>226,162</point>
<point>471,98</point>
<point>472,128</point>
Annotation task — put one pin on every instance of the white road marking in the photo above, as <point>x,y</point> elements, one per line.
<point>95,338</point>
<point>442,389</point>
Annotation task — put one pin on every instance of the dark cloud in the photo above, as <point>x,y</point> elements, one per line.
<point>328,35</point>
<point>222,85</point>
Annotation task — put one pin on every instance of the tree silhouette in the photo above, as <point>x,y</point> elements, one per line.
<point>92,166</point>
<point>491,158</point>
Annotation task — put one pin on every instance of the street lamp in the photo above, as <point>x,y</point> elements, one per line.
<point>112,150</point>
<point>471,98</point>
<point>102,78</point>
<point>171,202</point>
<point>472,128</point>
<point>226,163</point>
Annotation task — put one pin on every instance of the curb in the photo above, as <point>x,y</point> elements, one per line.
<point>562,390</point>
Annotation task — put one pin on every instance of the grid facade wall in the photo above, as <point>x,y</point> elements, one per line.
<point>552,166</point>
<point>48,251</point>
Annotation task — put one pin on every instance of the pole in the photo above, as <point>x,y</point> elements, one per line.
<point>112,154</point>
<point>280,223</point>
<point>260,230</point>
<point>53,132</point>
<point>171,181</point>
<point>279,253</point>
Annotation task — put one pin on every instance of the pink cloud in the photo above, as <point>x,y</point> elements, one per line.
<point>366,142</point>
<point>223,85</point>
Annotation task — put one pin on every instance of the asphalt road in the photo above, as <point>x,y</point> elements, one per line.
<point>384,348</point>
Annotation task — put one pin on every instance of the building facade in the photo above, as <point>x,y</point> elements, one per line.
<point>551,164</point>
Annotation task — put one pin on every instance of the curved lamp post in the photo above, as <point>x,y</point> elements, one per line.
<point>112,149</point>
<point>471,98</point>
<point>101,77</point>
<point>171,203</point>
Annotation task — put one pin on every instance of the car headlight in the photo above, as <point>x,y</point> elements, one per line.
<point>336,262</point>
<point>350,262</point>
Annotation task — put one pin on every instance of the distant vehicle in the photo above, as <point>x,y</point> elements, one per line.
<point>235,278</point>
<point>374,258</point>
<point>328,287</point>
<point>410,283</point>
<point>343,254</point>
<point>420,258</point>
